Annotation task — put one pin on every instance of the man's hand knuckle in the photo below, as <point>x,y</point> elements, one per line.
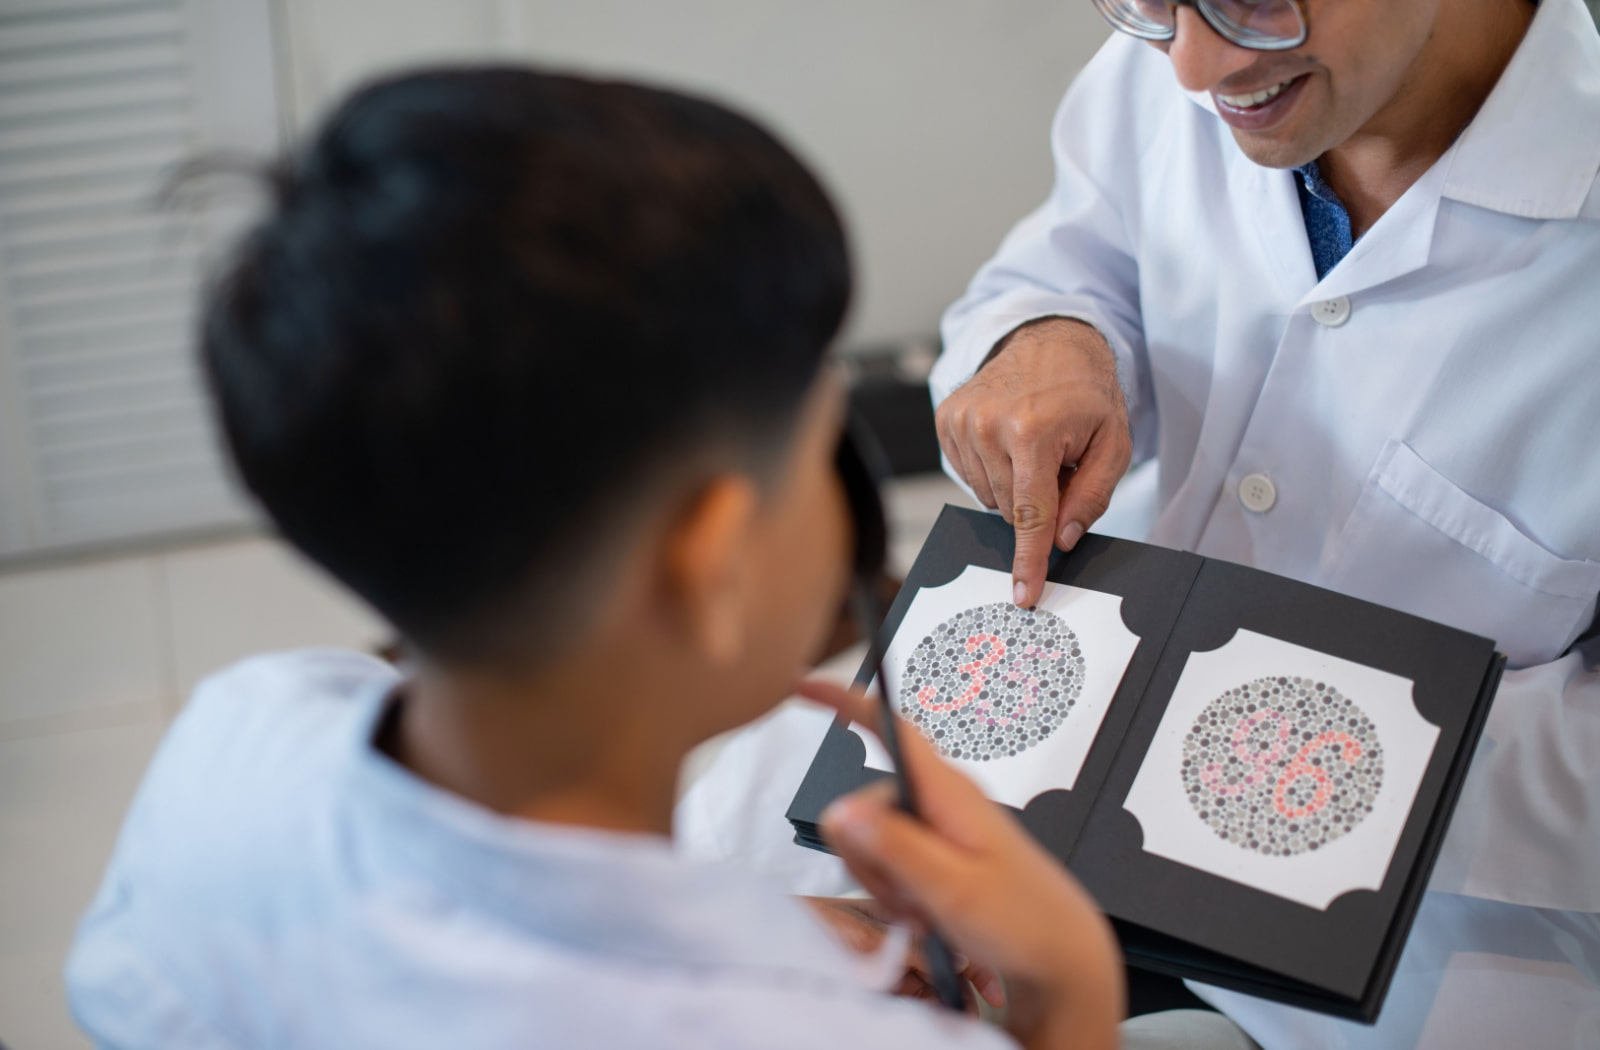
<point>1092,504</point>
<point>1021,426</point>
<point>1094,493</point>
<point>1031,516</point>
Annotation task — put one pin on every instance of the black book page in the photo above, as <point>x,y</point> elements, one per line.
<point>1150,582</point>
<point>1336,949</point>
<point>1337,958</point>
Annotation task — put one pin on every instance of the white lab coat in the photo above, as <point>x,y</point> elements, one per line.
<point>1418,428</point>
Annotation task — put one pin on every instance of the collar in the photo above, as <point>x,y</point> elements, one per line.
<point>1533,150</point>
<point>628,896</point>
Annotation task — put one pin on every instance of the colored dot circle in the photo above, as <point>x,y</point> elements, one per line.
<point>1282,765</point>
<point>992,681</point>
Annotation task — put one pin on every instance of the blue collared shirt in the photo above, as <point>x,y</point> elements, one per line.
<point>281,883</point>
<point>1327,220</point>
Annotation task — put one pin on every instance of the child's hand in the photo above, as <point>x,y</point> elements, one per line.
<point>970,869</point>
<point>862,923</point>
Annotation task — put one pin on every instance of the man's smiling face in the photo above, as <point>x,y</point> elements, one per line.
<point>1287,108</point>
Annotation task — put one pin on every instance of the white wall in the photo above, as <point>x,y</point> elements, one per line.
<point>928,118</point>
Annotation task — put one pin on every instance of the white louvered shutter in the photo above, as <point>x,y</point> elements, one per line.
<point>104,437</point>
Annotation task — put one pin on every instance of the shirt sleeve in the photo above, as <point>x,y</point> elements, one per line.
<point>1074,255</point>
<point>120,1000</point>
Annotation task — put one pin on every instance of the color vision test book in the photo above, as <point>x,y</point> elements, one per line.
<point>1252,775</point>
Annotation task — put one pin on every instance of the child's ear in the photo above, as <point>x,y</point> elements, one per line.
<point>709,566</point>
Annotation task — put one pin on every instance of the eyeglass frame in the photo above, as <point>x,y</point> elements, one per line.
<point>1204,10</point>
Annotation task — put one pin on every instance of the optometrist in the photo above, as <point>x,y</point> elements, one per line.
<point>1335,266</point>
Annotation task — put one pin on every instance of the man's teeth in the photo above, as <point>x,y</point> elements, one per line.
<point>1246,101</point>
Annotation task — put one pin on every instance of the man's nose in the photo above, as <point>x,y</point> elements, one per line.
<point>1200,57</point>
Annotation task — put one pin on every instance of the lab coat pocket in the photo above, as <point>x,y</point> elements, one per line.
<point>1417,543</point>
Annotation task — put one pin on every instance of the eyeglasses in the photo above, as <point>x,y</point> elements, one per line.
<point>1260,25</point>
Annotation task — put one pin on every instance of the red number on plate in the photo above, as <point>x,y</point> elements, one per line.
<point>1301,766</point>
<point>996,653</point>
<point>1260,762</point>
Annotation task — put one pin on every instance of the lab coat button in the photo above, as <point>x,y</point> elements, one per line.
<point>1257,493</point>
<point>1331,313</point>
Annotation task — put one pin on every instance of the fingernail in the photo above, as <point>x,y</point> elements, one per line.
<point>1019,593</point>
<point>1071,533</point>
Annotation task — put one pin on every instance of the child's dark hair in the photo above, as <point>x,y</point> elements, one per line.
<point>489,307</point>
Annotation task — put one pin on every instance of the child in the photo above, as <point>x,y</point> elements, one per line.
<point>534,365</point>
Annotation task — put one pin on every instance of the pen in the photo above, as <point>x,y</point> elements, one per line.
<point>861,464</point>
<point>947,984</point>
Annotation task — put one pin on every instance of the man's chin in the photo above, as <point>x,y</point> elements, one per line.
<point>1274,151</point>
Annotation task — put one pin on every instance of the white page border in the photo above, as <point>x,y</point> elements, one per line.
<point>1357,860</point>
<point>1107,644</point>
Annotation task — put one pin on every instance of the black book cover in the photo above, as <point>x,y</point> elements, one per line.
<point>1173,917</point>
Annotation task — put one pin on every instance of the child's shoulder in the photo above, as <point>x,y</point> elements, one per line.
<point>288,716</point>
<point>229,840</point>
<point>274,684</point>
<point>248,775</point>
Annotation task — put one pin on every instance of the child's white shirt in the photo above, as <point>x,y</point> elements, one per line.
<point>281,883</point>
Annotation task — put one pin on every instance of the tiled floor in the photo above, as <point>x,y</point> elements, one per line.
<point>61,800</point>
<point>96,658</point>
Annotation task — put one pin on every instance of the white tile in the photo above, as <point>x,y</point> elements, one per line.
<point>87,718</point>
<point>81,638</point>
<point>251,596</point>
<point>62,799</point>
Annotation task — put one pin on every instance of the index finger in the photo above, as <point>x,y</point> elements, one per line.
<point>1035,500</point>
<point>853,704</point>
<point>949,801</point>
